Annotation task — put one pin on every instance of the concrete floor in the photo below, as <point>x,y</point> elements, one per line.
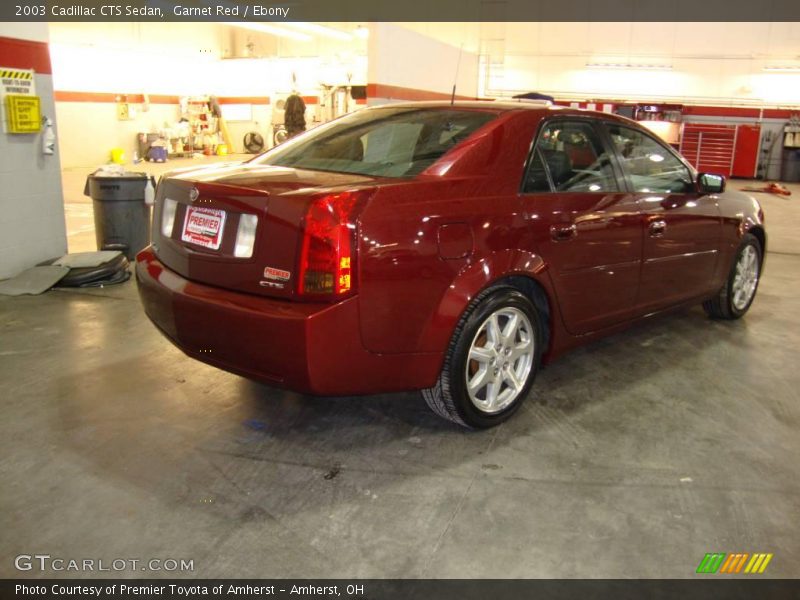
<point>633,458</point>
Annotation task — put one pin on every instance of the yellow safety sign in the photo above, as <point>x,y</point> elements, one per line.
<point>11,74</point>
<point>17,81</point>
<point>23,113</point>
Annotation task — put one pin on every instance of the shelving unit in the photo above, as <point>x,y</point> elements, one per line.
<point>201,124</point>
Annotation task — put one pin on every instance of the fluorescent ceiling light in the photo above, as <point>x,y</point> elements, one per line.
<point>270,29</point>
<point>322,30</point>
<point>782,69</point>
<point>361,32</point>
<point>629,66</point>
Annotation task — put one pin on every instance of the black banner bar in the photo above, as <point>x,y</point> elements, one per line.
<point>405,10</point>
<point>711,587</point>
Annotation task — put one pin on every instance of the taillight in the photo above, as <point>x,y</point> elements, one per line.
<point>327,256</point>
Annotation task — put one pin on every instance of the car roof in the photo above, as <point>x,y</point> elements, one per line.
<point>509,105</point>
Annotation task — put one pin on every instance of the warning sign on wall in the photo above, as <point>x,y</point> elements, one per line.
<point>17,81</point>
<point>20,104</point>
<point>23,114</point>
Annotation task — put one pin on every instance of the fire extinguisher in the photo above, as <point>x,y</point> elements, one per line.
<point>48,137</point>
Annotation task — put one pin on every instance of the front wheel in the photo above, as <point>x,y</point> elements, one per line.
<point>737,294</point>
<point>491,362</point>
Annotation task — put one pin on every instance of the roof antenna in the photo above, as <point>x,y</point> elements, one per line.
<point>458,64</point>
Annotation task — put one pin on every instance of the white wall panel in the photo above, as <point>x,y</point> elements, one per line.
<point>401,57</point>
<point>717,63</point>
<point>32,226</point>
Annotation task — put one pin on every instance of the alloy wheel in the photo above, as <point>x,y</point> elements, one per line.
<point>745,279</point>
<point>500,360</point>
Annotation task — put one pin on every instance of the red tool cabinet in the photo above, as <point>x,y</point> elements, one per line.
<point>730,150</point>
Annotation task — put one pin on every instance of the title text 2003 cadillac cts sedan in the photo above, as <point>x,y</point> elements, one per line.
<point>449,248</point>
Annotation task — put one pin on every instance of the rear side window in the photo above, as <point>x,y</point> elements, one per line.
<point>536,179</point>
<point>391,142</point>
<point>649,165</point>
<point>574,157</point>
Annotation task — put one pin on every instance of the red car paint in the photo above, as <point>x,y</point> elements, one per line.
<point>426,246</point>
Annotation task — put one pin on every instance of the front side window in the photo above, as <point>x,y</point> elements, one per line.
<point>575,158</point>
<point>648,164</point>
<point>389,142</point>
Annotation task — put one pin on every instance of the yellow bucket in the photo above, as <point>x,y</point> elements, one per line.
<point>222,149</point>
<point>118,156</point>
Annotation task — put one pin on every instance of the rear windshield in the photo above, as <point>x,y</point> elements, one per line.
<point>388,142</point>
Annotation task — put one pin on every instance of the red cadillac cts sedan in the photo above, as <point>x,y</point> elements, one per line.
<point>447,248</point>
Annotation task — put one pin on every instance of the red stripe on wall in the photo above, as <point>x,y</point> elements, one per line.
<point>694,110</point>
<point>377,90</point>
<point>25,54</point>
<point>395,92</point>
<point>721,111</point>
<point>737,112</point>
<point>243,99</point>
<point>67,96</point>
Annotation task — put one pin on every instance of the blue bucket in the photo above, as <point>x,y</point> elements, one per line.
<point>157,154</point>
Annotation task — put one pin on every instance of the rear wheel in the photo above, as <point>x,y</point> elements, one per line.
<point>491,362</point>
<point>737,294</point>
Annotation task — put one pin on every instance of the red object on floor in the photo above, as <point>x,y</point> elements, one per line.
<point>777,188</point>
<point>770,188</point>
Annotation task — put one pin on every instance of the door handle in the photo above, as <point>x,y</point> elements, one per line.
<point>562,233</point>
<point>657,228</point>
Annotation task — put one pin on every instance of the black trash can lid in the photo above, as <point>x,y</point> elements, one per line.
<point>128,176</point>
<point>105,176</point>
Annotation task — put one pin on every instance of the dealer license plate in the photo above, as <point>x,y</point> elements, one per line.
<point>204,227</point>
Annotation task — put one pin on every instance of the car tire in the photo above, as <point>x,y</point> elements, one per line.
<point>491,362</point>
<point>739,290</point>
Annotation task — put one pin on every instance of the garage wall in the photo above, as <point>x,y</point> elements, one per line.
<point>32,226</point>
<point>711,63</point>
<point>90,129</point>
<point>407,65</point>
<point>95,63</point>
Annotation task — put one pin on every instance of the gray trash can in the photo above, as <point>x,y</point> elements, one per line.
<point>790,169</point>
<point>121,217</point>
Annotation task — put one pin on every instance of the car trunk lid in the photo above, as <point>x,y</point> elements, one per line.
<point>212,207</point>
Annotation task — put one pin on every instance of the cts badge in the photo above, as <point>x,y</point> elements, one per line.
<point>278,274</point>
<point>194,194</point>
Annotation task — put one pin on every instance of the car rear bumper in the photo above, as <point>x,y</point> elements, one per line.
<point>310,348</point>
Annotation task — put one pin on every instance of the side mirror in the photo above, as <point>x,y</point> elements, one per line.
<point>710,183</point>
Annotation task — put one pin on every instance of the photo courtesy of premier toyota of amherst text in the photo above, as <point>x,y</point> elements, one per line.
<point>399,300</point>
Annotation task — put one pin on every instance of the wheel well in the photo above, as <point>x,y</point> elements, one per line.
<point>533,290</point>
<point>758,232</point>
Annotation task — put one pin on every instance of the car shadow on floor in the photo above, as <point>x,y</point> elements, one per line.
<point>213,434</point>
<point>588,375</point>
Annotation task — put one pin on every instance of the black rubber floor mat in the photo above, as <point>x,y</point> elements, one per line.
<point>84,275</point>
<point>118,277</point>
